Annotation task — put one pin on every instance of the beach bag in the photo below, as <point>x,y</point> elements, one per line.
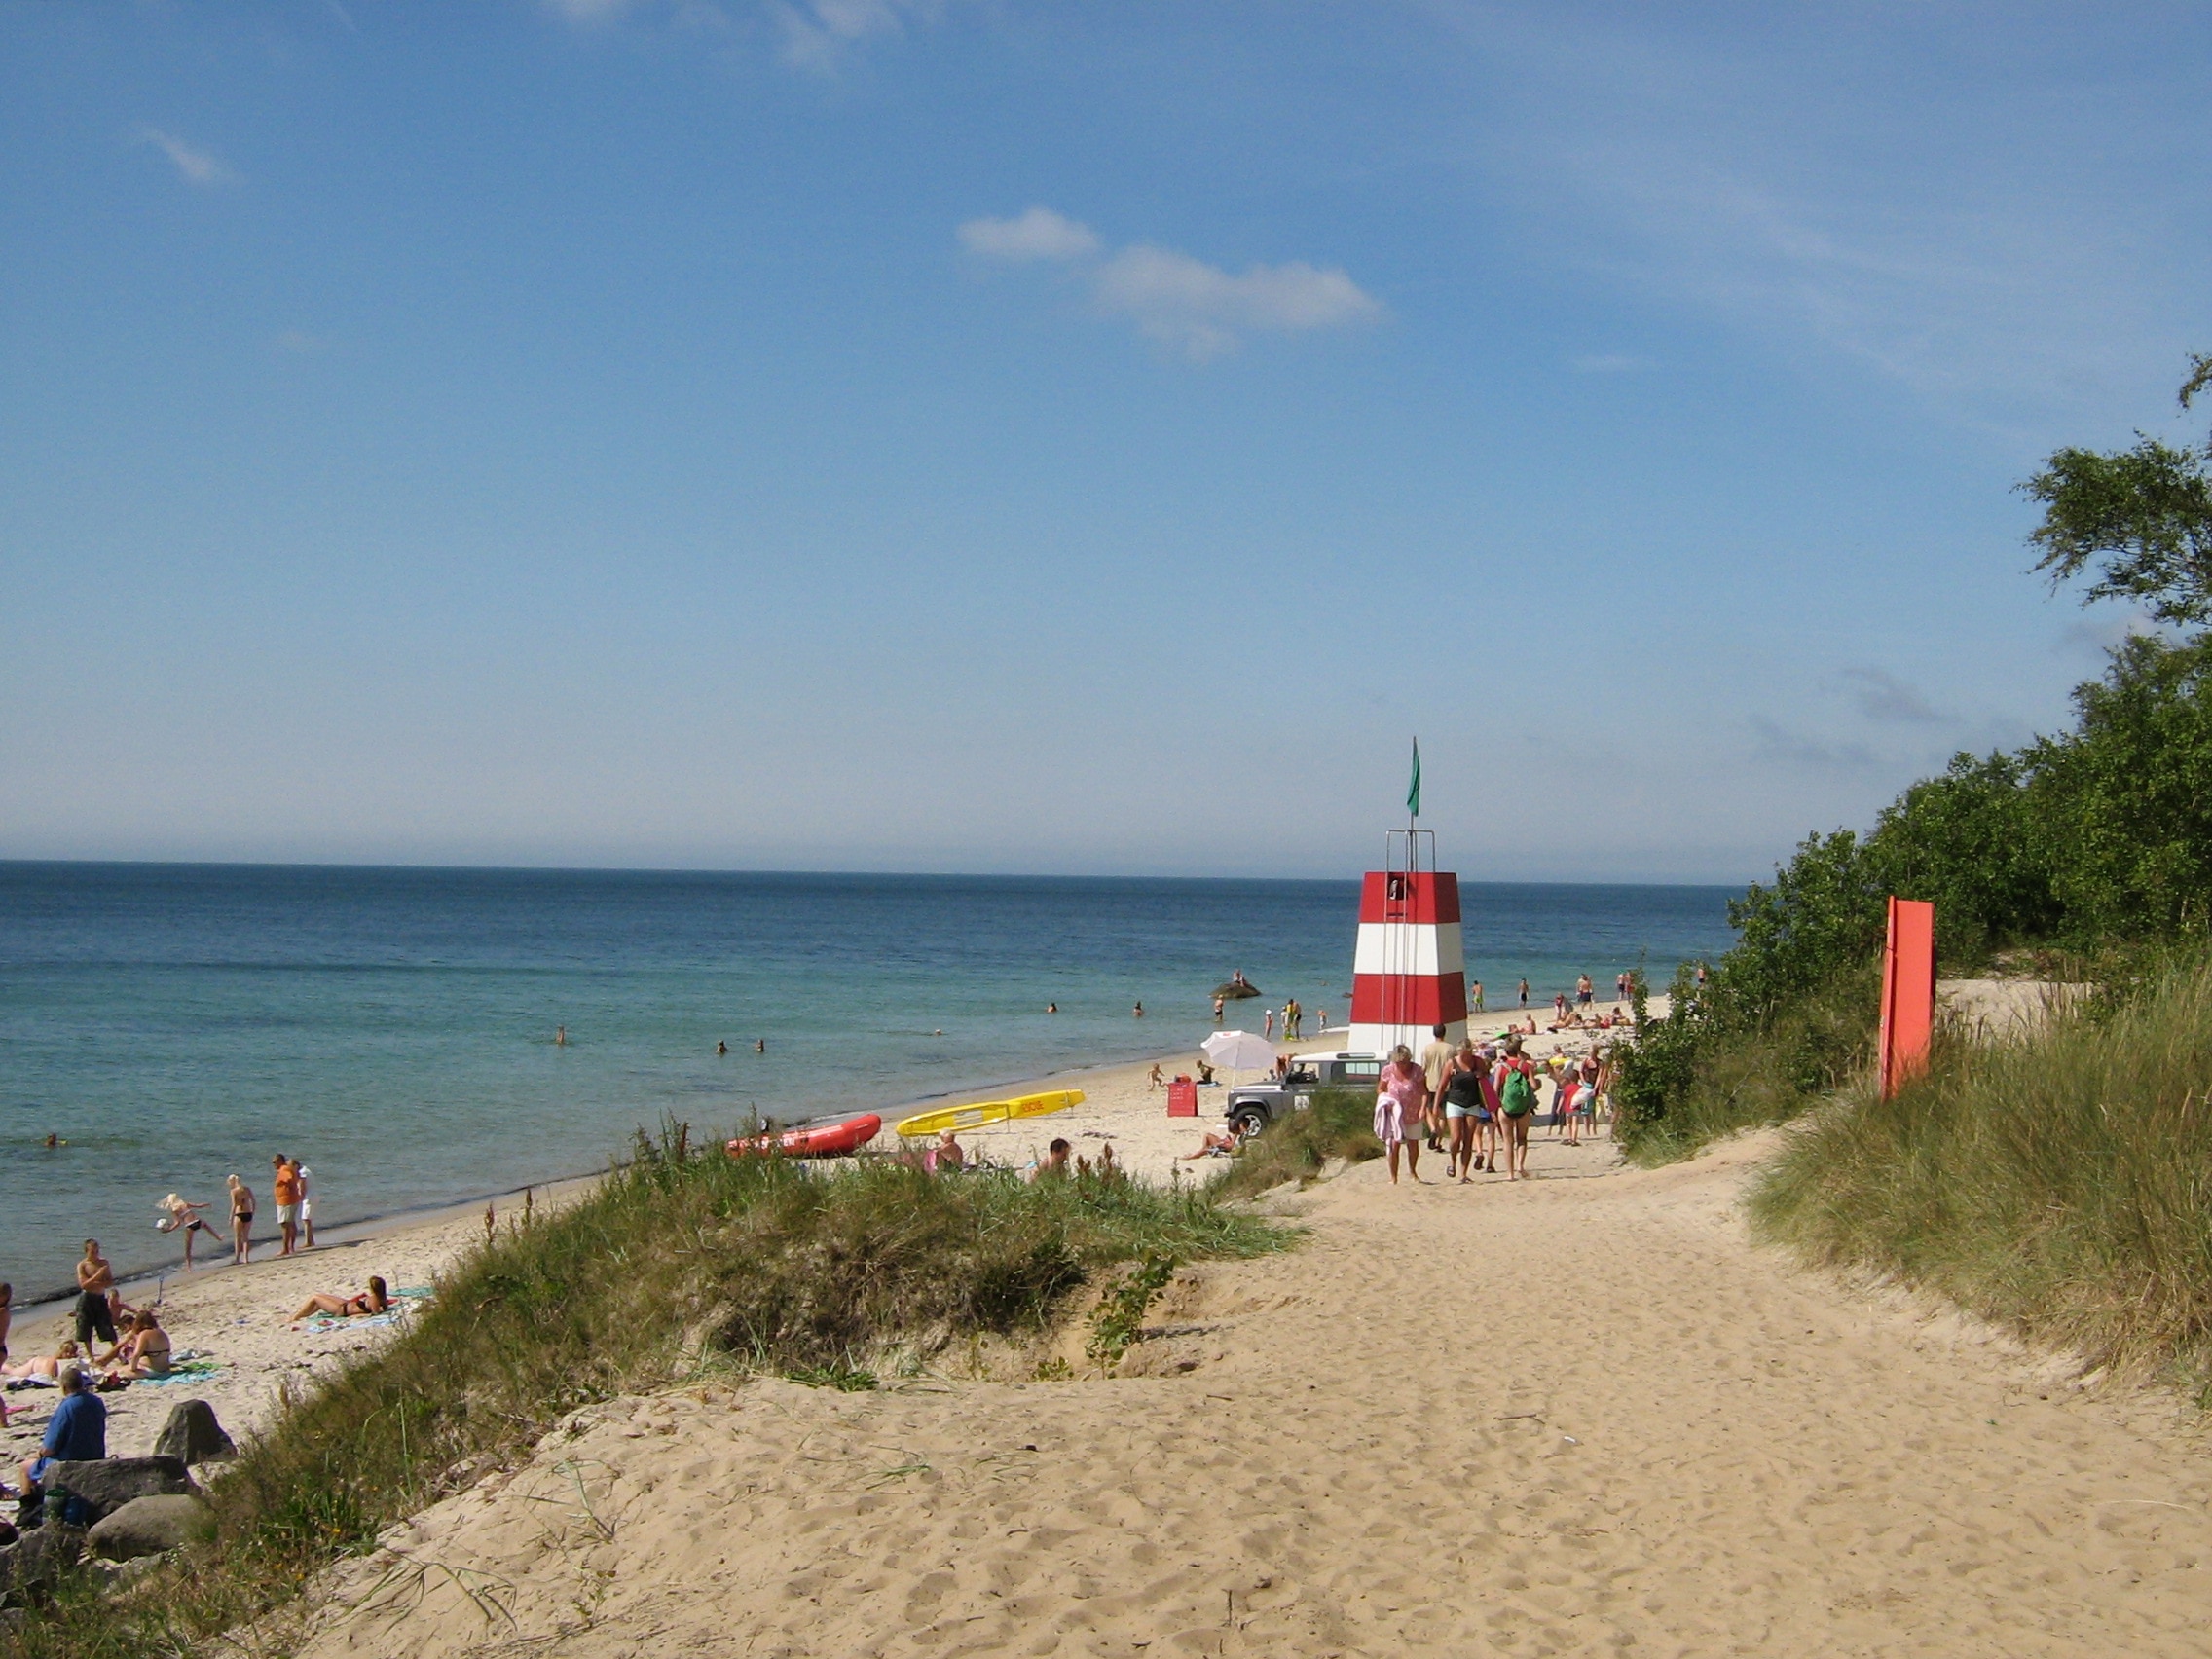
<point>1519,1095</point>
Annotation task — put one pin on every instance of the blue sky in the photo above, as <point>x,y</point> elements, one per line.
<point>1049,438</point>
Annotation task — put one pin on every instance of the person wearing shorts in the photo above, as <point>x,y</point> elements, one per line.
<point>307,1205</point>
<point>96,1280</point>
<point>1513,1124</point>
<point>286,1193</point>
<point>1399,1096</point>
<point>1463,1111</point>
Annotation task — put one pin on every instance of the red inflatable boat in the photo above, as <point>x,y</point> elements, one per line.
<point>824,1140</point>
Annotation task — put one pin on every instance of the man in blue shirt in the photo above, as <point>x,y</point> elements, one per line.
<point>77,1433</point>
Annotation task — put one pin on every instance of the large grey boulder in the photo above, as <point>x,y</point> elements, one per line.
<point>192,1435</point>
<point>43,1557</point>
<point>111,1483</point>
<point>149,1526</point>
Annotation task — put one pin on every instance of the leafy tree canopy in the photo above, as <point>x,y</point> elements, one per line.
<point>2143,516</point>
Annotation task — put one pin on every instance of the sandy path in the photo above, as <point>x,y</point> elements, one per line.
<point>1572,1415</point>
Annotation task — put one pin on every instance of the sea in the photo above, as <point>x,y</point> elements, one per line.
<point>394,1028</point>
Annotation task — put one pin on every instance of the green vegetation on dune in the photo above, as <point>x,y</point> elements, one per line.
<point>1340,1123</point>
<point>2060,1182</point>
<point>671,1269</point>
<point>2089,851</point>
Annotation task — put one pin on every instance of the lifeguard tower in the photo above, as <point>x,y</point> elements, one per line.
<point>1410,966</point>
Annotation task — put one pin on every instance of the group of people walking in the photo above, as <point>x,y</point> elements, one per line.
<point>1474,1102</point>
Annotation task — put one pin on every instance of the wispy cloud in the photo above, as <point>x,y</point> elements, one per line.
<point>590,11</point>
<point>1775,745</point>
<point>1881,696</point>
<point>1992,239</point>
<point>1039,233</point>
<point>195,167</point>
<point>1201,309</point>
<point>817,34</point>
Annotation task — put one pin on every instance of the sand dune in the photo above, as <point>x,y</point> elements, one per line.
<point>1572,1415</point>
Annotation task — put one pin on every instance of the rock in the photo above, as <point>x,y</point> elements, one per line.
<point>192,1435</point>
<point>1230,990</point>
<point>108,1485</point>
<point>149,1526</point>
<point>43,1557</point>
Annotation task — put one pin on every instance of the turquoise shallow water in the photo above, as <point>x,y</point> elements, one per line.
<point>393,1027</point>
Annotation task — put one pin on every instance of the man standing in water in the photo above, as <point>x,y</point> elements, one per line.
<point>1524,994</point>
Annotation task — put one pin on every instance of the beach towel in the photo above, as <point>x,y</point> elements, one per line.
<point>189,1371</point>
<point>323,1322</point>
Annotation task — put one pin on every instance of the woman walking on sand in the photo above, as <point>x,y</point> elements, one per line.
<point>1516,1080</point>
<point>1463,1111</point>
<point>1398,1101</point>
<point>241,1222</point>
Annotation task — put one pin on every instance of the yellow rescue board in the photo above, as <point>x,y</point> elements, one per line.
<point>987,1111</point>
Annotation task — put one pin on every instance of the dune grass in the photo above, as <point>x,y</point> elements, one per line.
<point>672,1266</point>
<point>1340,1123</point>
<point>2059,1183</point>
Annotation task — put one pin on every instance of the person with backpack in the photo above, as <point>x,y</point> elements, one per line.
<point>1516,1077</point>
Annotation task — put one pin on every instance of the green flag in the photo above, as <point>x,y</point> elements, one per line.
<point>1412,790</point>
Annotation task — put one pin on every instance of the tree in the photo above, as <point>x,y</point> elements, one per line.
<point>2143,515</point>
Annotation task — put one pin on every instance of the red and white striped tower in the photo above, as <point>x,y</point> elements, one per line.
<point>1410,967</point>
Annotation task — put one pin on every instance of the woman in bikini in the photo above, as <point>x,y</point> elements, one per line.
<point>144,1352</point>
<point>241,1222</point>
<point>376,1299</point>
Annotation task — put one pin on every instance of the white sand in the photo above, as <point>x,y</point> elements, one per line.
<point>1572,1416</point>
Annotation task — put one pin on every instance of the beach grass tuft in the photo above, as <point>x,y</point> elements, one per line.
<point>1340,1123</point>
<point>675,1266</point>
<point>2058,1183</point>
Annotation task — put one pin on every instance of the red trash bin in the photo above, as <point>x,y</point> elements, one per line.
<point>1182,1098</point>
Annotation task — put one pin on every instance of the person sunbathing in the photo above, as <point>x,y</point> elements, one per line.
<point>376,1300</point>
<point>947,1154</point>
<point>1216,1144</point>
<point>48,1366</point>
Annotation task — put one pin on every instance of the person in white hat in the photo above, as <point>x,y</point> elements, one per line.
<point>181,1214</point>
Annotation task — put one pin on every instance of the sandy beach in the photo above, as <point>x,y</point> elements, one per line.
<point>1580,1414</point>
<point>237,1316</point>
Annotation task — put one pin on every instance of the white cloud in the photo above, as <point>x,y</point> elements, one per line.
<point>817,32</point>
<point>195,167</point>
<point>1039,233</point>
<point>1201,310</point>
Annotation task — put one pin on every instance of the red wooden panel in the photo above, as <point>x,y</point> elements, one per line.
<point>1406,999</point>
<point>1427,899</point>
<point>1908,992</point>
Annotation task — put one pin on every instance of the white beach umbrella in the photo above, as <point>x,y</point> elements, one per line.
<point>1239,1050</point>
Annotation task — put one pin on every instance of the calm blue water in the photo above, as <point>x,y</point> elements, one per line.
<point>393,1027</point>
